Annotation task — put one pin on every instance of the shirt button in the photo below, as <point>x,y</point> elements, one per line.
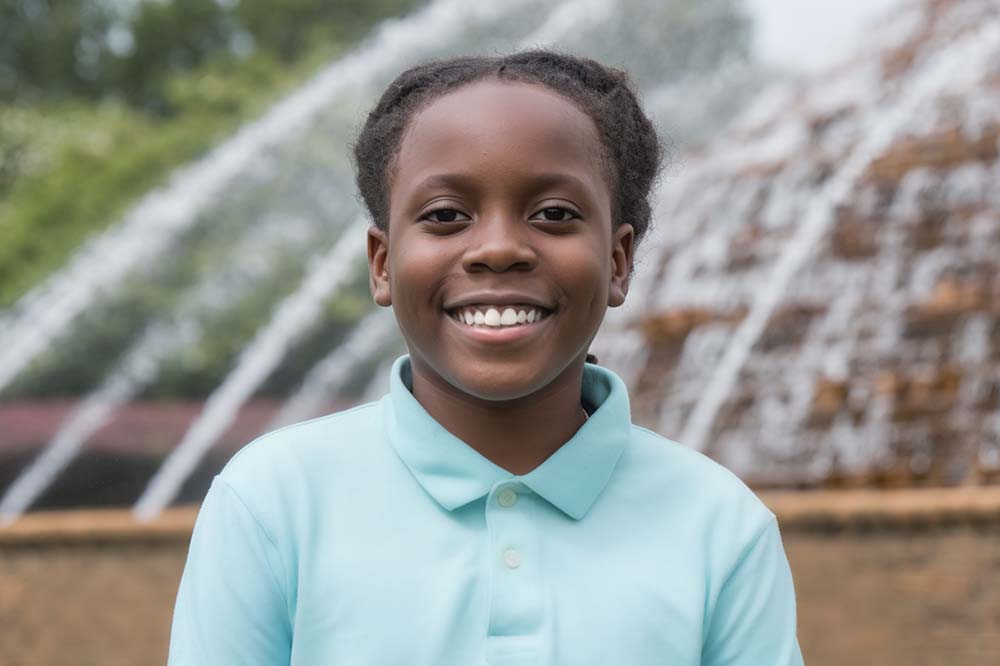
<point>507,497</point>
<point>511,558</point>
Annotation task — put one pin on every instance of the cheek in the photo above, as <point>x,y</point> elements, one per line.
<point>415,273</point>
<point>416,251</point>
<point>585,275</point>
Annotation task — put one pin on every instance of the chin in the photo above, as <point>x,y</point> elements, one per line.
<point>502,381</point>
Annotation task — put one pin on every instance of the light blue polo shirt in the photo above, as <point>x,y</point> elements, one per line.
<point>375,537</point>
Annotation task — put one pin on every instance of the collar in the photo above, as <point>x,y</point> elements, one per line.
<point>454,473</point>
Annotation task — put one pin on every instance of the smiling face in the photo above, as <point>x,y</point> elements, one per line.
<point>500,213</point>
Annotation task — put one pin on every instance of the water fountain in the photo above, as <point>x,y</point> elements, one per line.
<point>817,302</point>
<point>290,319</point>
<point>822,304</point>
<point>283,186</point>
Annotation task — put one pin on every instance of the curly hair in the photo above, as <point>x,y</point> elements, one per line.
<point>632,148</point>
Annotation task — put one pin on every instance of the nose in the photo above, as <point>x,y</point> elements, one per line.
<point>499,243</point>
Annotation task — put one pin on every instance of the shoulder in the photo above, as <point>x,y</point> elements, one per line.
<point>717,506</point>
<point>285,460</point>
<point>690,469</point>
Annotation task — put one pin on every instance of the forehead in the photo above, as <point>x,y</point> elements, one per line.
<point>503,127</point>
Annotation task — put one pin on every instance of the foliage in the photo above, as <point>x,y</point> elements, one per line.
<point>83,135</point>
<point>54,49</point>
<point>70,169</point>
<point>101,336</point>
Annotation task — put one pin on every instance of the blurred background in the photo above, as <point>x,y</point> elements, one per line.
<point>817,307</point>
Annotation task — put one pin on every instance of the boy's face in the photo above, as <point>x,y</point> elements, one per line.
<point>499,198</point>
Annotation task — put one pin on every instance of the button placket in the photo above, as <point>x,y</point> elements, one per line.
<point>506,497</point>
<point>516,606</point>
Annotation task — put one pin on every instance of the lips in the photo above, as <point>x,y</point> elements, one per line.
<point>506,336</point>
<point>498,297</point>
<point>498,316</point>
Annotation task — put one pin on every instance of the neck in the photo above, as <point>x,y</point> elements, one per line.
<point>517,435</point>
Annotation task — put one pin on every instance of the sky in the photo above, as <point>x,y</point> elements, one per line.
<point>806,35</point>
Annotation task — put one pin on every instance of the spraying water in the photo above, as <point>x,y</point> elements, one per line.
<point>564,20</point>
<point>138,368</point>
<point>158,219</point>
<point>367,339</point>
<point>289,131</point>
<point>820,277</point>
<point>935,78</point>
<point>124,381</point>
<point>291,319</point>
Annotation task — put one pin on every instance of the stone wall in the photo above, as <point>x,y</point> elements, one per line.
<point>821,302</point>
<point>883,578</point>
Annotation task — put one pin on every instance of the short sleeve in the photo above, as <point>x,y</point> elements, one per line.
<point>230,606</point>
<point>753,621</point>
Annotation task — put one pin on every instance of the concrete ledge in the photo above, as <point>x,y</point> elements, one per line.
<point>860,509</point>
<point>796,510</point>
<point>98,525</point>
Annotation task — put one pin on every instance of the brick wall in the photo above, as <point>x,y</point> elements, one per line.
<point>883,578</point>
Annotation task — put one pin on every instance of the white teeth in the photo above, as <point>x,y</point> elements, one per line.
<point>495,317</point>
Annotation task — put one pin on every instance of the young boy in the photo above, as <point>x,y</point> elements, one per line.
<point>497,506</point>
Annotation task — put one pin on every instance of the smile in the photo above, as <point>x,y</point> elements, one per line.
<point>498,316</point>
<point>500,324</point>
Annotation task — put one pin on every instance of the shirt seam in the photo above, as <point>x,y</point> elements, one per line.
<point>267,535</point>
<point>663,438</point>
<point>648,431</point>
<point>747,549</point>
<point>268,435</point>
<point>490,567</point>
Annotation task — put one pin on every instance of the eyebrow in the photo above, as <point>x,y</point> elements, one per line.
<point>453,180</point>
<point>539,181</point>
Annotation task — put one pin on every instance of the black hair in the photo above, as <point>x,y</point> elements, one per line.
<point>630,142</point>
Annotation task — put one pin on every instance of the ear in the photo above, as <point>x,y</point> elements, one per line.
<point>378,266</point>
<point>622,245</point>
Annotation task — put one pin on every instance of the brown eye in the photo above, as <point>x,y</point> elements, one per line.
<point>444,216</point>
<point>555,214</point>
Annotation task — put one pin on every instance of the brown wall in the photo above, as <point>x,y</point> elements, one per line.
<point>86,604</point>
<point>880,581</point>
<point>923,598</point>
